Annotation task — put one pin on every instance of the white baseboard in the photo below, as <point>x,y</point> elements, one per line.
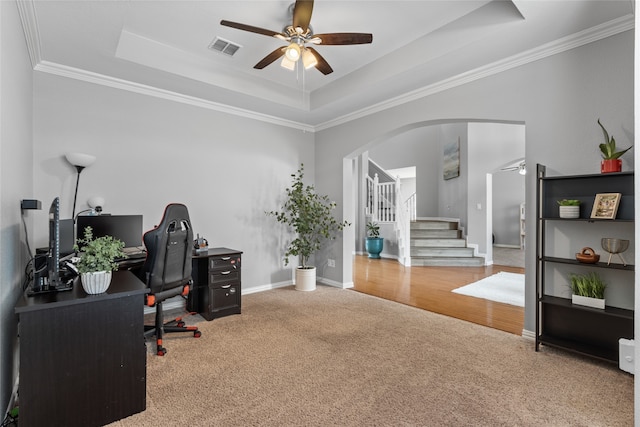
<point>531,335</point>
<point>267,287</point>
<point>507,246</point>
<point>329,282</point>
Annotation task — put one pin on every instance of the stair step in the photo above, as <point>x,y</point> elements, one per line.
<point>434,225</point>
<point>447,262</point>
<point>434,234</point>
<point>441,252</point>
<point>439,243</point>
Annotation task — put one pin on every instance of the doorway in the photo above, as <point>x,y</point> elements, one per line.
<point>481,153</point>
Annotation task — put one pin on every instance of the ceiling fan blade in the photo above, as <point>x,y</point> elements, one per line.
<point>270,58</point>
<point>322,65</point>
<point>250,28</point>
<point>342,38</point>
<point>302,14</point>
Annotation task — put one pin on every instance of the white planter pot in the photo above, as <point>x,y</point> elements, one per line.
<point>569,211</point>
<point>95,282</point>
<point>306,279</point>
<point>586,301</point>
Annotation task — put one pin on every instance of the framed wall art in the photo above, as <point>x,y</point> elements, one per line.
<point>605,206</point>
<point>451,159</point>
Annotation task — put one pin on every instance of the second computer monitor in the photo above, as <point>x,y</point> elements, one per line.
<point>127,228</point>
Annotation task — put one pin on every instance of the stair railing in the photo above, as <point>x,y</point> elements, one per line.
<point>411,207</point>
<point>384,205</point>
<point>381,200</point>
<point>403,228</point>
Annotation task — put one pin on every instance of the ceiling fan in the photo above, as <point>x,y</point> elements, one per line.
<point>298,35</point>
<point>520,167</point>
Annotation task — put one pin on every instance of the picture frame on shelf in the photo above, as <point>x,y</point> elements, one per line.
<point>605,206</point>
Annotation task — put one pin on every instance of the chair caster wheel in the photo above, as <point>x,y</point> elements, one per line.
<point>197,334</point>
<point>162,351</point>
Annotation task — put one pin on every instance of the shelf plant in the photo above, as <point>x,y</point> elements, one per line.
<point>610,157</point>
<point>569,202</point>
<point>309,215</point>
<point>569,208</point>
<point>587,289</point>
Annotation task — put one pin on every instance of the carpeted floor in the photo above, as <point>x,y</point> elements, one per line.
<point>341,358</point>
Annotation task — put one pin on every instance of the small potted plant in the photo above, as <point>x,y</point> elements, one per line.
<point>610,157</point>
<point>587,289</point>
<point>309,215</point>
<point>569,208</point>
<point>97,260</point>
<point>373,243</point>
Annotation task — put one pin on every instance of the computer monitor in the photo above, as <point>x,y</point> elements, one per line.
<point>127,228</point>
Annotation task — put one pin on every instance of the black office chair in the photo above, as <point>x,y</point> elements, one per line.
<point>167,269</point>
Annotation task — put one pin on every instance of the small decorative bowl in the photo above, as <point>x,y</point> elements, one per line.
<point>588,256</point>
<point>614,246</point>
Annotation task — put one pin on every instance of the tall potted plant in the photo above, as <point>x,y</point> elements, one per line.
<point>610,157</point>
<point>97,260</point>
<point>374,243</point>
<point>309,215</point>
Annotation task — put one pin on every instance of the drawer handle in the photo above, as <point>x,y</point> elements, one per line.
<point>225,258</point>
<point>225,287</point>
<point>224,273</point>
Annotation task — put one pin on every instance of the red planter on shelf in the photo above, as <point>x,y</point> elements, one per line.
<point>611,165</point>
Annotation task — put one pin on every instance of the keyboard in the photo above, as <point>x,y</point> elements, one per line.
<point>135,252</point>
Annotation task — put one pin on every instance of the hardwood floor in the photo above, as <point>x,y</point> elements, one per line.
<point>429,288</point>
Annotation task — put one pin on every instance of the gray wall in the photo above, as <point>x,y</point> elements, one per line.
<point>16,183</point>
<point>490,145</point>
<point>484,148</point>
<point>420,148</point>
<point>508,193</point>
<point>559,98</point>
<point>227,169</point>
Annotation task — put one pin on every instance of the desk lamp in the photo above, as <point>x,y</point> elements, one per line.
<point>80,161</point>
<point>96,203</point>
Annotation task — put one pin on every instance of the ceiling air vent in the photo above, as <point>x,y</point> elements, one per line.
<point>224,46</point>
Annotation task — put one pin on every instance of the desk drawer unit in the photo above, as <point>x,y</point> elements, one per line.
<point>218,292</point>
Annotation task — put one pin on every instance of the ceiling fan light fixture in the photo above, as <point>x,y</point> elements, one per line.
<point>293,52</point>
<point>288,64</point>
<point>522,169</point>
<point>308,59</point>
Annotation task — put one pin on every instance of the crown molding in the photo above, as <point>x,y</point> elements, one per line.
<point>101,79</point>
<point>30,28</point>
<point>573,41</point>
<point>32,36</point>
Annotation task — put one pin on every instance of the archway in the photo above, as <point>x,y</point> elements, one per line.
<point>352,168</point>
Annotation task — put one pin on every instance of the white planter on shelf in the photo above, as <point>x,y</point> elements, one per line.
<point>587,301</point>
<point>570,211</point>
<point>95,282</point>
<point>306,279</point>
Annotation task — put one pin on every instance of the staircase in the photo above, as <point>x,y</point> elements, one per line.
<point>440,243</point>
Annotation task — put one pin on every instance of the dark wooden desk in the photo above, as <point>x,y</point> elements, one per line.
<point>83,357</point>
<point>217,285</point>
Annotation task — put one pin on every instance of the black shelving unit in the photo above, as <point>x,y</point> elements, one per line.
<point>559,323</point>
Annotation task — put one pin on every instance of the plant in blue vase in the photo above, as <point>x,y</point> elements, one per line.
<point>374,243</point>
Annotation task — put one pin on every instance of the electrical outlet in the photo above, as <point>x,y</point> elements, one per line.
<point>331,262</point>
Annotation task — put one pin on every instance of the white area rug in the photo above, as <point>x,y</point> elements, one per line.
<point>502,287</point>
